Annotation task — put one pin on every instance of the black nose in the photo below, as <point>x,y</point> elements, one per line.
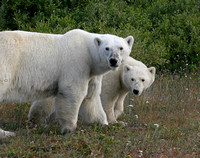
<point>135,91</point>
<point>113,62</point>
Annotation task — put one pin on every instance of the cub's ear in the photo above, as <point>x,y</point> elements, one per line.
<point>127,68</point>
<point>98,41</point>
<point>152,70</point>
<point>130,41</point>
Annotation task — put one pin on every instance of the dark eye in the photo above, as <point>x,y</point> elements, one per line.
<point>107,48</point>
<point>121,48</point>
<point>143,80</point>
<point>132,79</point>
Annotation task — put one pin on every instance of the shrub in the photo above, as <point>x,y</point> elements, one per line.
<point>167,33</point>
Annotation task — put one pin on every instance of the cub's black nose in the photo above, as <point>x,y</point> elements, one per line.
<point>113,62</point>
<point>135,91</point>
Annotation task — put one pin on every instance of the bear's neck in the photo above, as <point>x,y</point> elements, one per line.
<point>123,87</point>
<point>99,70</point>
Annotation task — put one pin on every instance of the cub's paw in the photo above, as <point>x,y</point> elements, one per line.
<point>119,123</point>
<point>124,124</point>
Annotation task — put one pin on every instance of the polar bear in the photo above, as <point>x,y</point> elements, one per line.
<point>35,66</point>
<point>132,76</point>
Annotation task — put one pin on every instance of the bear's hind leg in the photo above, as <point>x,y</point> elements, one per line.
<point>5,80</point>
<point>4,134</point>
<point>50,118</point>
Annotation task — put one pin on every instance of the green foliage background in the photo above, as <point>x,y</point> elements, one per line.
<point>166,32</point>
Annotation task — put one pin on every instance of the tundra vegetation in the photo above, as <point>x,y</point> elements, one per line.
<point>163,122</point>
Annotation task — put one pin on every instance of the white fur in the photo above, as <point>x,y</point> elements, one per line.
<point>36,66</point>
<point>4,134</point>
<point>115,87</point>
<point>40,110</point>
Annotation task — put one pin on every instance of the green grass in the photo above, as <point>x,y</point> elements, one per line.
<point>172,102</point>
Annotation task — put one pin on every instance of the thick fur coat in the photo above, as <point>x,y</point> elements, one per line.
<point>132,76</point>
<point>35,66</point>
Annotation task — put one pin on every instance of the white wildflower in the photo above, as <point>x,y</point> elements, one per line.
<point>128,143</point>
<point>157,125</point>
<point>130,106</point>
<point>136,116</point>
<point>140,153</point>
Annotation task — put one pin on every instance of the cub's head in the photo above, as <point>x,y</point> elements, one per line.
<point>136,79</point>
<point>113,49</point>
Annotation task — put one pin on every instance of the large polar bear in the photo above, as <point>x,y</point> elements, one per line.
<point>132,76</point>
<point>34,66</point>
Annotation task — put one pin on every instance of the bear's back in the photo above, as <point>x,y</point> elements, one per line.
<point>133,62</point>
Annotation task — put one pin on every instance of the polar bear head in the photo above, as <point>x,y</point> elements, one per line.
<point>136,79</point>
<point>113,49</point>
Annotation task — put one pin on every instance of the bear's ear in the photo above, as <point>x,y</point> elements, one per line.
<point>130,41</point>
<point>127,67</point>
<point>98,41</point>
<point>152,70</point>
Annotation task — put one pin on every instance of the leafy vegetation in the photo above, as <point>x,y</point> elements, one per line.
<point>163,122</point>
<point>166,32</point>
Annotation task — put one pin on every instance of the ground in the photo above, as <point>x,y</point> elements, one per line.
<point>163,122</point>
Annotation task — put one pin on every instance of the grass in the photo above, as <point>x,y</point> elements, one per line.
<point>163,122</point>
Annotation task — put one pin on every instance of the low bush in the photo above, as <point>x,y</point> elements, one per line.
<point>167,33</point>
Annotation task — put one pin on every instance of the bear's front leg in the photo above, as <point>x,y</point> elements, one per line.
<point>119,107</point>
<point>109,109</point>
<point>67,106</point>
<point>91,109</point>
<point>108,100</point>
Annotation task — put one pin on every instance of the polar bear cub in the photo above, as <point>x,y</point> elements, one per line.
<point>132,76</point>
